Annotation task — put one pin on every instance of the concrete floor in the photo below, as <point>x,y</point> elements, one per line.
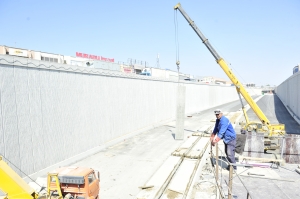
<point>275,182</point>
<point>127,165</point>
<point>288,185</point>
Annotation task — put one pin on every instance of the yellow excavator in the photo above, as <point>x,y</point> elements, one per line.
<point>63,183</point>
<point>262,126</point>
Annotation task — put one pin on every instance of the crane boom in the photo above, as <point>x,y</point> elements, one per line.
<point>274,129</point>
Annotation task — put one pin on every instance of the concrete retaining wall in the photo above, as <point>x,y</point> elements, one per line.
<point>289,93</point>
<point>51,113</point>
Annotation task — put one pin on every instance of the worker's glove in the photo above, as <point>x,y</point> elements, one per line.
<point>215,140</point>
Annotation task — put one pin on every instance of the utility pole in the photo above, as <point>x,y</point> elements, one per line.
<point>157,61</point>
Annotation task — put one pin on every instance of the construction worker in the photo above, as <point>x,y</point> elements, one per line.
<point>224,130</point>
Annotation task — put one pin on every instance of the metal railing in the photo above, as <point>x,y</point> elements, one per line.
<point>219,177</point>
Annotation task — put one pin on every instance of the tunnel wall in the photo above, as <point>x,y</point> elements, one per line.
<point>53,112</point>
<point>289,93</point>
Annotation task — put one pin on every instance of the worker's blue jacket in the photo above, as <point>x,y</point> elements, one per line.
<point>224,129</point>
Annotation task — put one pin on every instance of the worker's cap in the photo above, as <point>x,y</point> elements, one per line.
<point>218,111</point>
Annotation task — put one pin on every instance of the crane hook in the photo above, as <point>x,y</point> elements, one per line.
<point>177,63</point>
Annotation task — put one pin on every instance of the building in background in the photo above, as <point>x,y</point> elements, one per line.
<point>214,80</point>
<point>250,85</point>
<point>31,54</point>
<point>296,69</point>
<point>125,68</point>
<point>132,66</point>
<point>81,59</point>
<point>161,73</point>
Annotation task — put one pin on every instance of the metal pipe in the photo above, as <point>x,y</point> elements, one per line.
<point>230,182</point>
<point>217,162</point>
<point>282,145</point>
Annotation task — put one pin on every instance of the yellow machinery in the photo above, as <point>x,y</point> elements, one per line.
<point>56,188</point>
<point>12,183</point>
<point>264,124</point>
<point>65,182</point>
<point>16,188</point>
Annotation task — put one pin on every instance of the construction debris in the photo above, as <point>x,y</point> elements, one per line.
<point>256,174</point>
<point>146,187</point>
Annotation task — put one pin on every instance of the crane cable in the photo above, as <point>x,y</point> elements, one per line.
<point>176,40</point>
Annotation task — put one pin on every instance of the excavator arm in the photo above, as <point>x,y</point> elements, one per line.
<point>274,129</point>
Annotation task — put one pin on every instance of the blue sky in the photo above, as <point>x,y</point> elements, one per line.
<point>259,39</point>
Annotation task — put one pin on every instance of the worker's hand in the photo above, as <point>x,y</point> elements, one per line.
<point>212,137</point>
<point>213,143</point>
<point>215,140</point>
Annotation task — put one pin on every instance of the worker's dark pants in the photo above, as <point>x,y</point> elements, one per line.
<point>230,151</point>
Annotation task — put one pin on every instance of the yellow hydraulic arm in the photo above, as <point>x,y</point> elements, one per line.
<point>13,185</point>
<point>274,129</point>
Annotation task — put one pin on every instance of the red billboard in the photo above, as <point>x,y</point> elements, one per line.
<point>95,57</point>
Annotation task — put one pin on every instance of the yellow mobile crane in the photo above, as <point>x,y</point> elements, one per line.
<point>264,124</point>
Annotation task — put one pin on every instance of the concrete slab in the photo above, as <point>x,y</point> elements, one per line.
<point>181,178</point>
<point>185,146</point>
<point>198,149</point>
<point>290,149</point>
<point>254,146</point>
<point>204,184</point>
<point>180,112</point>
<point>158,179</point>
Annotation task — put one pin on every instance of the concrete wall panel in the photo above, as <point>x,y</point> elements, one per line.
<point>289,93</point>
<point>53,112</point>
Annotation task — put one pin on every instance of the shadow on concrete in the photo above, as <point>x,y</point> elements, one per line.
<point>173,135</point>
<point>222,162</point>
<point>183,129</point>
<point>284,117</point>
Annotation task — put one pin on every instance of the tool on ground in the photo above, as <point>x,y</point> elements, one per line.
<point>255,174</point>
